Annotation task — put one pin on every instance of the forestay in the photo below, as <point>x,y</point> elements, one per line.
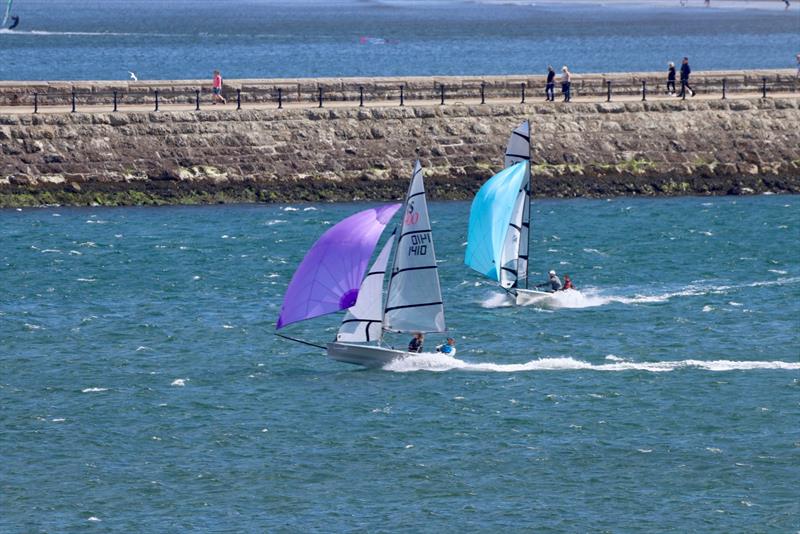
<point>490,218</point>
<point>330,274</point>
<point>363,322</point>
<point>515,262</point>
<point>414,299</point>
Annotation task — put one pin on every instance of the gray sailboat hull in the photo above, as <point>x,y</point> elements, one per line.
<point>366,355</point>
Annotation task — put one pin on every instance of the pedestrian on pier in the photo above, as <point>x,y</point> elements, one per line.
<point>549,89</point>
<point>216,88</point>
<point>671,79</point>
<point>566,83</point>
<point>685,72</point>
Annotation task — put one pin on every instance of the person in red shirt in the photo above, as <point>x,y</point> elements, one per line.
<point>567,282</point>
<point>217,88</point>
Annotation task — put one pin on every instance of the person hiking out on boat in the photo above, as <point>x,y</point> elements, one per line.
<point>549,89</point>
<point>415,345</point>
<point>567,283</point>
<point>448,348</point>
<point>554,282</point>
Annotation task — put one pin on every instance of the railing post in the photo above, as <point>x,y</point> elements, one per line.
<point>280,98</point>
<point>764,87</point>
<point>156,109</point>
<point>483,92</point>
<point>402,95</point>
<point>724,88</point>
<point>320,97</point>
<point>361,96</point>
<point>608,88</point>
<point>197,99</point>
<point>644,90</point>
<point>115,100</point>
<point>238,99</point>
<point>441,86</point>
<point>683,89</point>
<point>73,101</point>
<point>35,102</point>
<point>522,85</point>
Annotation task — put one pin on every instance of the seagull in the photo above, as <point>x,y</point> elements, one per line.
<point>133,76</point>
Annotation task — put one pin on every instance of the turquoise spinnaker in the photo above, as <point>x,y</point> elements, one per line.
<point>489,218</point>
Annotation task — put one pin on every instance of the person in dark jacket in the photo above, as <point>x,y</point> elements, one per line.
<point>671,79</point>
<point>415,345</point>
<point>549,89</point>
<point>685,72</point>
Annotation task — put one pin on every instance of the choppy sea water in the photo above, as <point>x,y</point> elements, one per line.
<point>142,388</point>
<point>104,39</point>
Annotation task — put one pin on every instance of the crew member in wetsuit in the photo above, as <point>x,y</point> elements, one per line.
<point>14,22</point>
<point>553,282</point>
<point>567,283</point>
<point>448,348</point>
<point>415,345</point>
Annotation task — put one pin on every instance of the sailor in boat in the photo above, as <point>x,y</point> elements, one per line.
<point>567,283</point>
<point>448,348</point>
<point>14,22</point>
<point>415,345</point>
<point>554,282</point>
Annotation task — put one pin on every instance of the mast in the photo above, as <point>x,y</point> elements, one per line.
<point>526,217</point>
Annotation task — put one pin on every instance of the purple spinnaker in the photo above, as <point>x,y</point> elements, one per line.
<point>329,276</point>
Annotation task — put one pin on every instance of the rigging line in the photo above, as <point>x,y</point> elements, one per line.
<point>301,341</point>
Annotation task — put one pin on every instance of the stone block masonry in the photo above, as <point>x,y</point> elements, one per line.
<point>667,147</point>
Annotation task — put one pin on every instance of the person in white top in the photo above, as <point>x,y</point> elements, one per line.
<point>566,82</point>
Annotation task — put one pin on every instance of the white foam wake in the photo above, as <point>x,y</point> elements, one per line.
<point>441,362</point>
<point>591,297</point>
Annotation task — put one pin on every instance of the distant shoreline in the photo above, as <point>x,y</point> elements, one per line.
<point>772,5</point>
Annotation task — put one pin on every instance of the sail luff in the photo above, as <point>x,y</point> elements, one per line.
<point>414,297</point>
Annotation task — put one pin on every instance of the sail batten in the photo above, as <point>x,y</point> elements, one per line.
<point>414,297</point>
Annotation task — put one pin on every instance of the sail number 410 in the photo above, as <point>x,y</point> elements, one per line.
<point>419,244</point>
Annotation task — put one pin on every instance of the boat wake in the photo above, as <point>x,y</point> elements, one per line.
<point>591,297</point>
<point>441,362</point>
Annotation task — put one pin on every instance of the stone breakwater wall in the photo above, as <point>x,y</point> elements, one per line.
<point>579,149</point>
<point>384,89</point>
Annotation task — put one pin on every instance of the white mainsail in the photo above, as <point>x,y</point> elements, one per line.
<point>363,322</point>
<point>414,299</point>
<point>515,256</point>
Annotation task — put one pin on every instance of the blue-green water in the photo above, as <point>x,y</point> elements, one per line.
<point>142,389</point>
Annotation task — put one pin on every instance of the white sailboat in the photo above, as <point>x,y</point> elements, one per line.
<point>413,299</point>
<point>498,241</point>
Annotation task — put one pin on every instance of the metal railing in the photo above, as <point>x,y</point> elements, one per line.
<point>165,99</point>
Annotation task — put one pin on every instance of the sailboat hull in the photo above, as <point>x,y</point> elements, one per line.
<point>366,355</point>
<point>526,297</point>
